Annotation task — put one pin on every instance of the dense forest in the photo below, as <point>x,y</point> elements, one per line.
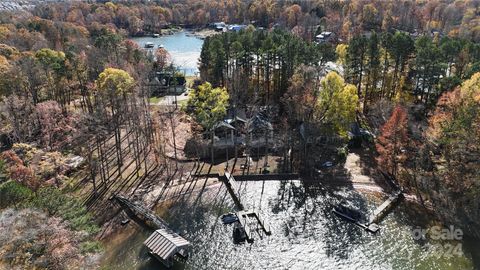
<point>74,87</point>
<point>346,18</point>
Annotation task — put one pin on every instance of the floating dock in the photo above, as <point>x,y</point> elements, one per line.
<point>247,219</point>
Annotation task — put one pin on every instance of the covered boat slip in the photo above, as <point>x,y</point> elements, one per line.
<point>164,244</point>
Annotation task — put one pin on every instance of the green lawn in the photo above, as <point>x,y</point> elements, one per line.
<point>155,99</point>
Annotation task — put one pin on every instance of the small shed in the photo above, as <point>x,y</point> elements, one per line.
<point>165,244</point>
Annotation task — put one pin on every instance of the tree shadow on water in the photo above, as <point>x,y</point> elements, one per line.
<point>311,205</point>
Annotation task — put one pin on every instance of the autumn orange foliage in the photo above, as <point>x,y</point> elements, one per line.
<point>392,142</point>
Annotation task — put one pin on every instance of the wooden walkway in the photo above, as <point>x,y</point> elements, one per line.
<point>384,208</point>
<point>233,189</point>
<point>140,213</point>
<point>373,228</point>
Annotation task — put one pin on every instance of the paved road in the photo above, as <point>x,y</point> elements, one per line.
<point>170,100</point>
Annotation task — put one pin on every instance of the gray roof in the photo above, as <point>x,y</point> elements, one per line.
<point>165,243</point>
<point>223,124</point>
<point>258,123</point>
<point>235,119</point>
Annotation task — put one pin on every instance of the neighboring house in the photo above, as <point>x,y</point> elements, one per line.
<point>331,66</point>
<point>223,131</point>
<point>358,134</point>
<point>218,26</point>
<point>164,83</point>
<point>325,37</point>
<point>236,27</point>
<point>435,33</point>
<point>415,34</point>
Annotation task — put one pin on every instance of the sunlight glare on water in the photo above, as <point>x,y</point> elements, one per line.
<point>305,234</point>
<point>183,47</point>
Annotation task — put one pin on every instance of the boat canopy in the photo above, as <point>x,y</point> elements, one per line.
<point>164,244</point>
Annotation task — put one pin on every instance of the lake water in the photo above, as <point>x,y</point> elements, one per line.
<point>183,47</point>
<point>305,234</point>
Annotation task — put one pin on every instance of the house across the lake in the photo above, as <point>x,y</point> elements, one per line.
<point>236,27</point>
<point>324,37</point>
<point>218,26</point>
<point>166,83</point>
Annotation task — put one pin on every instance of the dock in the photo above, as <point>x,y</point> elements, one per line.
<point>164,244</point>
<point>140,213</point>
<point>250,220</point>
<point>247,219</point>
<point>384,208</point>
<point>380,212</point>
<point>373,228</point>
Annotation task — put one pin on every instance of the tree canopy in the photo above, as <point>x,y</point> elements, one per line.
<point>208,105</point>
<point>337,103</point>
<point>117,81</point>
<point>393,141</point>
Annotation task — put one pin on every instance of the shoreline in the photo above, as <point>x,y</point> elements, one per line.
<point>200,33</point>
<point>203,33</point>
